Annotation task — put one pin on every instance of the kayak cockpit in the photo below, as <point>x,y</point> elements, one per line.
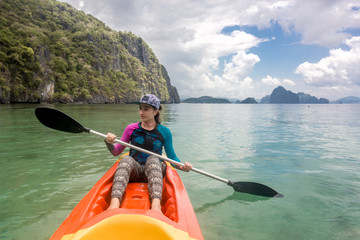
<point>91,219</point>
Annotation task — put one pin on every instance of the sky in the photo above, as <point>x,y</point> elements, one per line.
<point>241,49</point>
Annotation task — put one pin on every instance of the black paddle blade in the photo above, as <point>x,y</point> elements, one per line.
<point>254,188</point>
<point>58,120</point>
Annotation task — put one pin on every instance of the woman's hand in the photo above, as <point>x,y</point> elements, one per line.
<point>110,138</point>
<point>187,167</point>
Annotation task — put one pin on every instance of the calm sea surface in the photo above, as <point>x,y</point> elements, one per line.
<point>309,153</point>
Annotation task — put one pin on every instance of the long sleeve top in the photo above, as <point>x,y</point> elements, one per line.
<point>153,141</point>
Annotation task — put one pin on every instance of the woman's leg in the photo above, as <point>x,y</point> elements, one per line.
<point>154,173</point>
<point>127,168</point>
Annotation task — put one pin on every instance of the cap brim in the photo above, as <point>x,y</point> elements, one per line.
<point>138,103</point>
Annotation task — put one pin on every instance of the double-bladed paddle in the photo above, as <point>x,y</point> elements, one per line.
<point>58,120</point>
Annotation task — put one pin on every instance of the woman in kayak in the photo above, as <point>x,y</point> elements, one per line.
<point>148,134</point>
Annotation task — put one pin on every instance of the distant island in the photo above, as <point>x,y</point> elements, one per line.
<point>278,96</point>
<point>350,99</point>
<point>281,95</point>
<point>206,99</point>
<point>248,100</point>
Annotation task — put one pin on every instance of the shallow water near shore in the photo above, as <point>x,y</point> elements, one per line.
<point>309,153</point>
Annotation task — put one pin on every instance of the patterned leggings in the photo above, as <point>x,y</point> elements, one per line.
<point>129,170</point>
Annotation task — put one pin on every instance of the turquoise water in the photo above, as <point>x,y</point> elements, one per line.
<point>309,153</point>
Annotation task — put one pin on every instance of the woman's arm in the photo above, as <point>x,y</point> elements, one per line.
<point>116,148</point>
<point>169,149</point>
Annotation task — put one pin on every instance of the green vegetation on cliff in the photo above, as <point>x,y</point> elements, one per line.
<point>51,52</point>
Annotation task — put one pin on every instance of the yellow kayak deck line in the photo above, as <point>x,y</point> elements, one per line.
<point>129,226</point>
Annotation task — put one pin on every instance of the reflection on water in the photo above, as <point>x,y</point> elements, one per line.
<point>240,198</point>
<point>309,154</point>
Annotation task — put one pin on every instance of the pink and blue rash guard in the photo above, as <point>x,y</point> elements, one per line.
<point>152,141</point>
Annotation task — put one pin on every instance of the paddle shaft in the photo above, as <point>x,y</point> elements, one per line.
<point>58,120</point>
<point>162,157</point>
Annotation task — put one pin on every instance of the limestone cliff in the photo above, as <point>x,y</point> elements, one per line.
<point>51,52</point>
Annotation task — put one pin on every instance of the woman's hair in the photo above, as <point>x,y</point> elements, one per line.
<point>157,116</point>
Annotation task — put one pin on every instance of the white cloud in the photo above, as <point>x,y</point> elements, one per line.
<point>271,81</point>
<point>340,68</point>
<point>233,82</point>
<point>240,66</point>
<point>289,82</point>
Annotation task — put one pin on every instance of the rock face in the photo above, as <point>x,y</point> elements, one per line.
<point>173,93</point>
<point>280,95</point>
<point>51,52</point>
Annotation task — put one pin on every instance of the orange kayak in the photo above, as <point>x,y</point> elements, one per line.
<point>90,219</point>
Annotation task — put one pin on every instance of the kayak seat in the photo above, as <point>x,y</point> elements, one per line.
<point>136,196</point>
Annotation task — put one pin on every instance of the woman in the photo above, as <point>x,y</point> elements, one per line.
<point>148,134</point>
